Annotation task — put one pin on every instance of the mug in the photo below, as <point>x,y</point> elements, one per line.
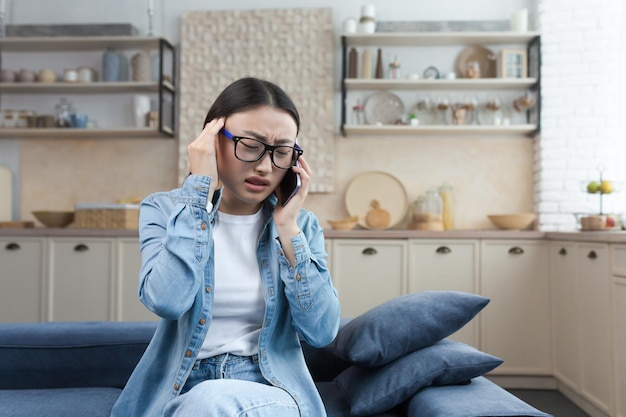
<point>79,120</point>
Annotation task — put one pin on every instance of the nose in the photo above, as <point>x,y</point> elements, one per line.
<point>265,163</point>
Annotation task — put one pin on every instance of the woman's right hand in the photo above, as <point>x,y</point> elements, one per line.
<point>202,153</point>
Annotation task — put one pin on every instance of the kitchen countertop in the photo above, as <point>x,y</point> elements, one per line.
<point>602,236</point>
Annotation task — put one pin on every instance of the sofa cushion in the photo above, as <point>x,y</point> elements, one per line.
<point>482,398</point>
<point>405,324</point>
<point>71,354</point>
<point>337,405</point>
<point>58,402</point>
<point>374,390</point>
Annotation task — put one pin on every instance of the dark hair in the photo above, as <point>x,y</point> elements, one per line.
<point>248,93</point>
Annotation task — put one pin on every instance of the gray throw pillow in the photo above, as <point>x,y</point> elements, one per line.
<point>374,390</point>
<point>403,325</point>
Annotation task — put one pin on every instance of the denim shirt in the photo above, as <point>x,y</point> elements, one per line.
<point>176,282</point>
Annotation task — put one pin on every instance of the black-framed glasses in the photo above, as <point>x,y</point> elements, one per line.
<point>251,150</point>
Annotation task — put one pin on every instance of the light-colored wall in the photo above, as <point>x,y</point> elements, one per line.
<point>489,174</point>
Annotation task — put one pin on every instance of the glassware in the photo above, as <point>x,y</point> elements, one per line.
<point>445,192</point>
<point>63,111</point>
<point>358,114</point>
<point>442,115</point>
<point>428,211</point>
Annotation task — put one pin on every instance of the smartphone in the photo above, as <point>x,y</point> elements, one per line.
<point>290,185</point>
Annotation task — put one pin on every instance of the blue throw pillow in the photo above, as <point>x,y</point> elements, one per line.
<point>374,390</point>
<point>405,324</point>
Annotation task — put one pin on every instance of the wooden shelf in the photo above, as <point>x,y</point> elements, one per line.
<point>439,84</point>
<point>77,43</point>
<point>82,88</point>
<point>71,133</point>
<point>438,130</point>
<point>439,38</point>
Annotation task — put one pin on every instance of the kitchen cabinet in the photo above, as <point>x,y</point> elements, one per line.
<point>515,325</point>
<point>368,272</point>
<point>443,40</point>
<point>80,279</point>
<point>446,265</point>
<point>581,320</point>
<point>618,267</point>
<point>566,334</point>
<point>43,52</point>
<point>21,279</point>
<point>129,308</point>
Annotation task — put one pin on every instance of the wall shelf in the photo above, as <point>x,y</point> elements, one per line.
<point>526,129</point>
<point>87,133</point>
<point>164,88</point>
<point>531,41</point>
<point>440,84</point>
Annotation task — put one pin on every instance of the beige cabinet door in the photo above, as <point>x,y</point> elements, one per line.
<point>594,304</point>
<point>80,279</point>
<point>367,273</point>
<point>619,344</point>
<point>129,308</point>
<point>566,332</point>
<point>21,279</point>
<point>446,265</point>
<point>515,324</point>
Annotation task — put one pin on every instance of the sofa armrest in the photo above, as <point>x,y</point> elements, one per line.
<point>71,354</point>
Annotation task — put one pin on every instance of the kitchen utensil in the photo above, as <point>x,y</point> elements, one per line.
<point>516,221</point>
<point>54,219</point>
<point>377,217</point>
<point>26,75</point>
<point>383,108</point>
<point>141,108</point>
<point>381,186</point>
<point>481,56</point>
<point>6,194</point>
<point>348,223</point>
<point>17,225</point>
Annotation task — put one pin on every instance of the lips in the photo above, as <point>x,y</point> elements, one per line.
<point>257,184</point>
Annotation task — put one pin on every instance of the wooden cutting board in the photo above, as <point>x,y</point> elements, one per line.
<point>6,194</point>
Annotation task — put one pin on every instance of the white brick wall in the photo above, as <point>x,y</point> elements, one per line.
<point>583,103</point>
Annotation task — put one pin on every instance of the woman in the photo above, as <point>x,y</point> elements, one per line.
<point>236,277</point>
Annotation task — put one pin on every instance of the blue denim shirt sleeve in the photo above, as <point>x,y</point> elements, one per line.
<point>309,289</point>
<point>175,246</point>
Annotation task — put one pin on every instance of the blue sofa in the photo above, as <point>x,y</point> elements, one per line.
<point>77,369</point>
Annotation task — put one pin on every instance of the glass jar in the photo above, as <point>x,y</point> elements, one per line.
<point>428,211</point>
<point>63,113</point>
<point>358,114</point>
<point>445,192</point>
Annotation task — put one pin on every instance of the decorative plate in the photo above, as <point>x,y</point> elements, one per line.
<point>486,61</point>
<point>383,108</point>
<point>381,186</point>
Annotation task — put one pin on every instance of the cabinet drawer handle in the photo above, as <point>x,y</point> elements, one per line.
<point>516,250</point>
<point>369,251</point>
<point>443,249</point>
<point>81,247</point>
<point>592,255</point>
<point>563,251</point>
<point>12,246</point>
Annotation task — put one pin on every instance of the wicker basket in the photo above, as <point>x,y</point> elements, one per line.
<point>106,216</point>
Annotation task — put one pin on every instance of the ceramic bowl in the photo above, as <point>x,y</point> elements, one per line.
<point>344,224</point>
<point>54,219</point>
<point>517,221</point>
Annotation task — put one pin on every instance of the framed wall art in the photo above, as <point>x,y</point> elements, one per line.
<point>513,63</point>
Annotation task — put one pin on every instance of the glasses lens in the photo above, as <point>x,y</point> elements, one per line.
<point>251,150</point>
<point>284,156</point>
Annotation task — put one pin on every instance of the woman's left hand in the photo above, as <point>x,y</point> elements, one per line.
<point>285,217</point>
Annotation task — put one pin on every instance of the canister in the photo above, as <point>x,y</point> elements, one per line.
<point>86,74</point>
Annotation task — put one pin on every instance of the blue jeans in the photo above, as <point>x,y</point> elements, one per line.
<point>230,386</point>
